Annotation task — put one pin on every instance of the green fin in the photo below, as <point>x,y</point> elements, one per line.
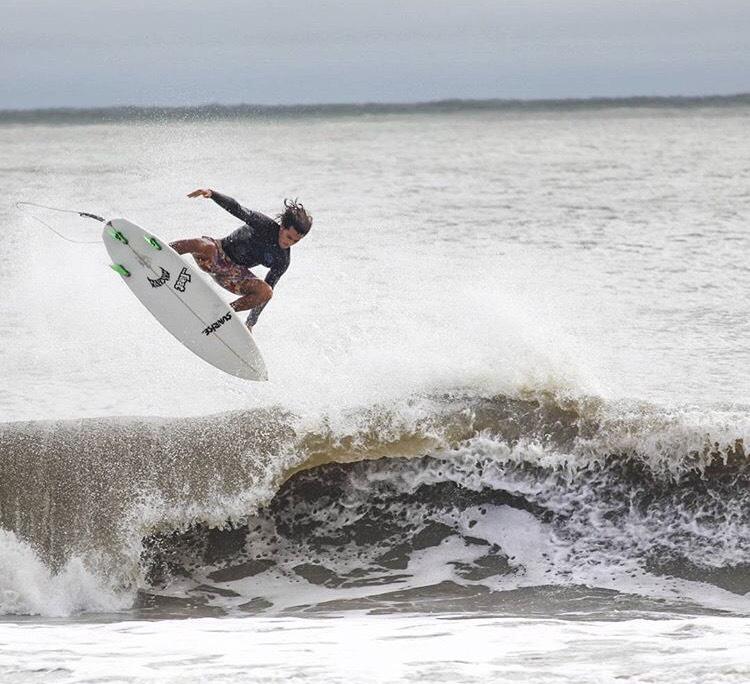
<point>152,241</point>
<point>117,235</point>
<point>119,268</point>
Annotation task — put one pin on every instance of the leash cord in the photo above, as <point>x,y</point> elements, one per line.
<point>84,214</point>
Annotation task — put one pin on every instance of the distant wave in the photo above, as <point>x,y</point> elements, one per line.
<point>73,115</point>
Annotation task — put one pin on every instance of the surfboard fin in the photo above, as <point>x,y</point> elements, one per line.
<point>117,235</point>
<point>152,241</point>
<point>119,268</point>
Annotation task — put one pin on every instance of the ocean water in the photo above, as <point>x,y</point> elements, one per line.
<point>504,433</point>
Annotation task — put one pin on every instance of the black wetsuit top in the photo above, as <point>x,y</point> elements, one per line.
<point>254,244</point>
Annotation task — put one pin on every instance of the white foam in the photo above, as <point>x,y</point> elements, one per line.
<point>28,587</point>
<point>372,649</point>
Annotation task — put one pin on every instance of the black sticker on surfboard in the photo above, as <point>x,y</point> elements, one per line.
<point>182,280</point>
<point>217,324</point>
<point>161,280</point>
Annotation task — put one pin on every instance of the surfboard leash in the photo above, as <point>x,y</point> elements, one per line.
<point>84,214</point>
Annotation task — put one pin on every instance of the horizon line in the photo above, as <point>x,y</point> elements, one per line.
<point>376,106</point>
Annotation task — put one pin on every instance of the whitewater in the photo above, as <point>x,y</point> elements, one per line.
<point>507,417</point>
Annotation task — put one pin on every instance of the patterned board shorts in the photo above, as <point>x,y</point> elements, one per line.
<point>230,275</point>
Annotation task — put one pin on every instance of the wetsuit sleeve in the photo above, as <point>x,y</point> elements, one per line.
<point>232,206</point>
<point>272,277</point>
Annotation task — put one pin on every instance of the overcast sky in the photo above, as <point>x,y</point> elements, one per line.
<point>89,53</point>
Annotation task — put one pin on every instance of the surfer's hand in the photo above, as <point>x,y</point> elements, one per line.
<point>201,193</point>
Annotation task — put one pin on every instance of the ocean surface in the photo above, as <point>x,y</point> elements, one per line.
<point>506,428</point>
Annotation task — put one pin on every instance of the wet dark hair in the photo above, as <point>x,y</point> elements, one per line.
<point>295,216</point>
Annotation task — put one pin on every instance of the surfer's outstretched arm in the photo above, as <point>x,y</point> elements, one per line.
<point>231,205</point>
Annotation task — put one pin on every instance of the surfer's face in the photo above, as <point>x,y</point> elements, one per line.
<point>288,237</point>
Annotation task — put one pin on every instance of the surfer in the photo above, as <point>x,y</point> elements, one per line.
<point>261,241</point>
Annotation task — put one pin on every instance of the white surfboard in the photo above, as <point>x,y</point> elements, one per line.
<point>179,297</point>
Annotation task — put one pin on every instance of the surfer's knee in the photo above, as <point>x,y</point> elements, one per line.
<point>261,290</point>
<point>180,246</point>
<point>200,246</point>
<point>258,289</point>
<point>266,292</point>
<point>207,248</point>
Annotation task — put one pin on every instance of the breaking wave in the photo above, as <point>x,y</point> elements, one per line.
<point>456,501</point>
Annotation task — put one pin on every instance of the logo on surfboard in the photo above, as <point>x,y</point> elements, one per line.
<point>217,324</point>
<point>161,280</point>
<point>183,279</point>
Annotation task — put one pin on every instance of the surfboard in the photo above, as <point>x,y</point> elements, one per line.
<point>182,300</point>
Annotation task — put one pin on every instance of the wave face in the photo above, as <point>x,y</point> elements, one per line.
<point>449,502</point>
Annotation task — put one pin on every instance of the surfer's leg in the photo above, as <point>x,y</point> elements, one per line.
<point>198,247</point>
<point>255,293</point>
<point>236,278</point>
